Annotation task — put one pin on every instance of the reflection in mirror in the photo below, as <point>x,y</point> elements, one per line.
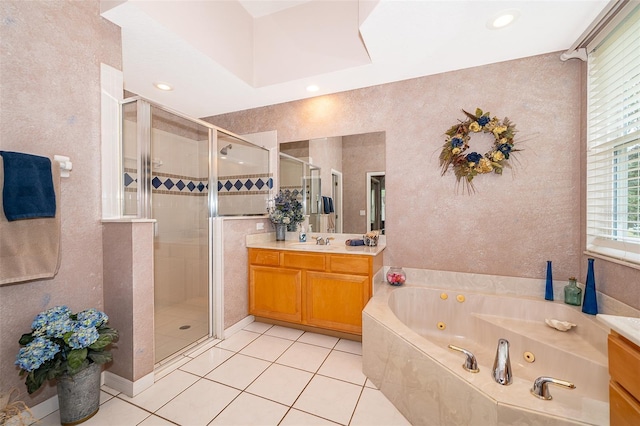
<point>302,180</point>
<point>375,201</point>
<point>344,162</point>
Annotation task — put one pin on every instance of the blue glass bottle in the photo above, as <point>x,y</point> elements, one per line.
<point>548,291</point>
<point>590,303</point>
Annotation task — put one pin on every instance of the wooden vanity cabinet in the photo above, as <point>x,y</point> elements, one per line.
<point>322,290</point>
<point>624,387</point>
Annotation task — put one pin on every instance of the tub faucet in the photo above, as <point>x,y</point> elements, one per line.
<point>502,364</point>
<point>540,387</point>
<point>470,362</point>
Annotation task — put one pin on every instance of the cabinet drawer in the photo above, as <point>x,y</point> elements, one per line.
<point>264,257</point>
<point>624,364</point>
<point>624,409</point>
<point>310,261</point>
<point>349,264</point>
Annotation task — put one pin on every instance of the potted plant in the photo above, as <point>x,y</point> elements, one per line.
<point>70,348</point>
<point>286,213</point>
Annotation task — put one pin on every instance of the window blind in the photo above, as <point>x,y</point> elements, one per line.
<point>613,143</point>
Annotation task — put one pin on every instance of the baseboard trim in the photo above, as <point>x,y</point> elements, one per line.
<point>228,332</point>
<point>128,387</point>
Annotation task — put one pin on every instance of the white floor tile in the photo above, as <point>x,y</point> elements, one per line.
<point>248,410</point>
<point>162,391</point>
<point>238,371</point>
<point>202,347</point>
<point>107,389</point>
<point>350,346</point>
<point>284,332</point>
<point>154,420</point>
<point>258,327</point>
<point>52,419</point>
<point>329,398</point>
<point>304,356</point>
<point>104,397</point>
<point>207,361</point>
<point>370,384</point>
<point>318,340</point>
<point>280,383</point>
<point>298,418</point>
<point>375,409</point>
<point>344,366</point>
<point>116,412</point>
<point>169,366</point>
<point>199,404</point>
<point>238,341</point>
<point>268,348</point>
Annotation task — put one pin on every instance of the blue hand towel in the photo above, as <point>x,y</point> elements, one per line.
<point>28,186</point>
<point>327,205</point>
<point>354,242</point>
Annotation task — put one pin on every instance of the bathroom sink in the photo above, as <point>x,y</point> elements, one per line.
<point>311,245</point>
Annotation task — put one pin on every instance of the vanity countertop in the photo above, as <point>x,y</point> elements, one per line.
<point>628,327</point>
<point>336,246</point>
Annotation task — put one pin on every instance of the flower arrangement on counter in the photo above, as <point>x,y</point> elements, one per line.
<point>286,210</point>
<point>63,343</point>
<point>467,165</point>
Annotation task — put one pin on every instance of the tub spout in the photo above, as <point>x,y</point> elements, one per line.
<point>540,387</point>
<point>502,364</point>
<point>470,363</point>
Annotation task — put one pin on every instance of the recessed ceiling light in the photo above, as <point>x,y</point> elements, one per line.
<point>503,19</point>
<point>162,86</point>
<point>312,88</point>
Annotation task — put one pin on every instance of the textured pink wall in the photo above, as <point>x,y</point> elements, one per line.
<point>515,222</point>
<point>50,104</point>
<point>128,295</point>
<point>236,286</point>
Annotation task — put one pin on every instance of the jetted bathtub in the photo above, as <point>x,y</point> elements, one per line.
<point>405,338</point>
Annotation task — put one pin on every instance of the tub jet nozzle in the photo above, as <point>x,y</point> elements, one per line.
<point>502,364</point>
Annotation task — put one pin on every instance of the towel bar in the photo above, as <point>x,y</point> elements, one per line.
<point>65,165</point>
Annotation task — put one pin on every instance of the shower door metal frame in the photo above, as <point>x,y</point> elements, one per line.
<point>144,201</point>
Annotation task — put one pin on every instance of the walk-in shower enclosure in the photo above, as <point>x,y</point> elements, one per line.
<point>185,173</point>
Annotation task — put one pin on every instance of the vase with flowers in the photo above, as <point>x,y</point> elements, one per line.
<point>285,214</point>
<point>70,348</point>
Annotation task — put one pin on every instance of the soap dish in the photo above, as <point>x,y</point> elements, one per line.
<point>559,325</point>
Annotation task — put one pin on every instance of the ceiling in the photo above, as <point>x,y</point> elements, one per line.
<point>228,55</point>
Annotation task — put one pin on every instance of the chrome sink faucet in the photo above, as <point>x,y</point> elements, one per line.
<point>323,241</point>
<point>502,364</point>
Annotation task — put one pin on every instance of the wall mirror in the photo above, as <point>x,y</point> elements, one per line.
<point>352,171</point>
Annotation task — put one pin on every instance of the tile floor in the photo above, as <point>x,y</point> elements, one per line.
<point>262,375</point>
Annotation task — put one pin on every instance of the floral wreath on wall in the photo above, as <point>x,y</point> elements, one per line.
<point>467,165</point>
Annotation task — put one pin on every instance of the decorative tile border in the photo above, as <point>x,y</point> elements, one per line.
<point>166,183</point>
<point>245,184</point>
<point>295,190</point>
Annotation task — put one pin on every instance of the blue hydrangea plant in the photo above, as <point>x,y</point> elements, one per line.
<point>61,342</point>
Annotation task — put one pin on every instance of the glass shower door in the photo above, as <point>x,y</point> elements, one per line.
<point>179,160</point>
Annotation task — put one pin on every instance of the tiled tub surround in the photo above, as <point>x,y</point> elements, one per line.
<point>405,355</point>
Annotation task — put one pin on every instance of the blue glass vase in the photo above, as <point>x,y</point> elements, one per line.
<point>548,291</point>
<point>590,303</point>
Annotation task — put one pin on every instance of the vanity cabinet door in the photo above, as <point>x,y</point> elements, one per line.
<point>275,293</point>
<point>336,301</point>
